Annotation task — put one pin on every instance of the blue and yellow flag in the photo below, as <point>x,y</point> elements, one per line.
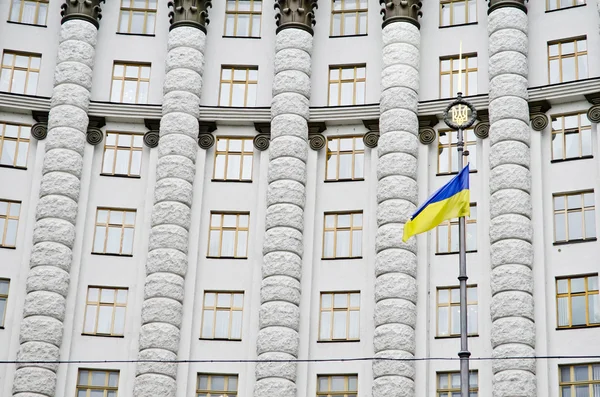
<point>451,201</point>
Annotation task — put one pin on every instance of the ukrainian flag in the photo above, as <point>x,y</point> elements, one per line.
<point>451,201</point>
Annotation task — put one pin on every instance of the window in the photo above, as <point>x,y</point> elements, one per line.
<point>449,68</point>
<point>238,86</point>
<point>228,235</point>
<point>105,311</point>
<point>571,136</point>
<point>222,315</point>
<point>575,220</point>
<point>242,18</point>
<point>567,60</point>
<point>347,85</point>
<point>345,159</point>
<point>348,17</point>
<point>137,16</point>
<point>9,221</point>
<point>337,385</point>
<point>447,234</point>
<point>448,151</point>
<point>457,12</point>
<point>122,154</point>
<point>448,311</point>
<point>114,231</point>
<point>97,383</point>
<point>32,12</point>
<point>211,385</point>
<point>3,299</point>
<point>558,4</point>
<point>342,235</point>
<point>20,72</point>
<point>448,384</point>
<point>14,144</point>
<point>233,159</point>
<point>339,318</point>
<point>580,380</point>
<point>130,83</point>
<point>578,302</point>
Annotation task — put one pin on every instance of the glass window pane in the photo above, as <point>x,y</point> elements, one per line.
<point>119,326</point>
<point>559,227</point>
<point>590,224</point>
<point>328,245</point>
<point>104,319</point>
<point>90,319</point>
<point>207,324</point>
<point>113,241</point>
<point>568,69</point>
<point>594,308</point>
<point>325,331</point>
<point>554,71</point>
<point>578,310</point>
<point>442,321</point>
<point>236,325</point>
<point>353,332</point>
<point>339,324</point>
<point>459,13</point>
<point>326,301</point>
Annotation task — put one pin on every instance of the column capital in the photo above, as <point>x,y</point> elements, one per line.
<point>297,14</point>
<point>94,133</point>
<point>40,129</point>
<point>537,114</point>
<point>427,134</point>
<point>401,10</point>
<point>371,138</point>
<point>85,10</point>
<point>496,4</point>
<point>151,137</point>
<point>316,139</point>
<point>206,139</point>
<point>263,139</point>
<point>192,13</point>
<point>593,113</point>
<point>482,129</point>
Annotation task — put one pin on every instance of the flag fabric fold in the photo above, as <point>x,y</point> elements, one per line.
<point>450,201</point>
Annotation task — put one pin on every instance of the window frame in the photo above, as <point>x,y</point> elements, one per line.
<point>454,222</point>
<point>566,212</point>
<point>215,310</point>
<point>463,71</point>
<point>7,217</point>
<point>452,147</point>
<point>18,141</point>
<point>448,392</point>
<point>340,81</point>
<point>131,10</point>
<point>451,304</point>
<point>88,388</point>
<point>451,4</point>
<point>232,82</point>
<point>358,12</point>
<point>563,135</point>
<point>28,70</point>
<point>237,13</point>
<point>334,393</point>
<point>216,393</point>
<point>226,153</point>
<point>572,384</point>
<point>569,295</point>
<point>4,297</point>
<point>348,309</point>
<point>237,229</point>
<point>107,225</point>
<point>335,231</point>
<point>337,153</point>
<point>560,57</point>
<point>99,304</point>
<point>139,79</point>
<point>558,6</point>
<point>116,148</point>
<point>36,15</point>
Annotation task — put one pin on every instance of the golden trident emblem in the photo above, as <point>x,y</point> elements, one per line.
<point>460,114</point>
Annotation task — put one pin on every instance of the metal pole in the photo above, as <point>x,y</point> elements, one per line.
<point>464,353</point>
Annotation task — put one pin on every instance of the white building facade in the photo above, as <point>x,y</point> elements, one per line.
<point>176,191</point>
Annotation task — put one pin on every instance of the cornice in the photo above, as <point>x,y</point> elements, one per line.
<point>555,94</point>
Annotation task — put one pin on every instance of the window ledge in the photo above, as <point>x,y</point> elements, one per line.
<point>577,327</point>
<point>453,173</point>
<point>226,257</point>
<point>121,176</point>
<point>575,241</point>
<point>8,248</point>
<point>339,341</point>
<point>111,254</point>
<point>455,336</point>
<point>103,335</point>
<point>566,8</point>
<point>458,25</point>
<point>572,159</point>
<point>455,252</point>
<point>13,167</point>
<point>241,37</point>
<point>221,339</point>
<point>1,327</point>
<point>349,35</point>
<point>232,180</point>
<point>27,24</point>
<point>344,180</point>
<point>137,34</point>
<point>341,258</point>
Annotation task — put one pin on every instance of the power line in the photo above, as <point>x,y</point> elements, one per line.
<point>322,360</point>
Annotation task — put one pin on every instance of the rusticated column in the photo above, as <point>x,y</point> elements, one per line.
<point>167,261</point>
<point>41,333</point>
<point>511,231</point>
<point>279,316</point>
<point>397,195</point>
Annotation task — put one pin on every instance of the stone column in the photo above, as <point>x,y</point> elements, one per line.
<point>397,199</point>
<point>279,316</point>
<point>511,231</point>
<point>41,333</point>
<point>167,261</point>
